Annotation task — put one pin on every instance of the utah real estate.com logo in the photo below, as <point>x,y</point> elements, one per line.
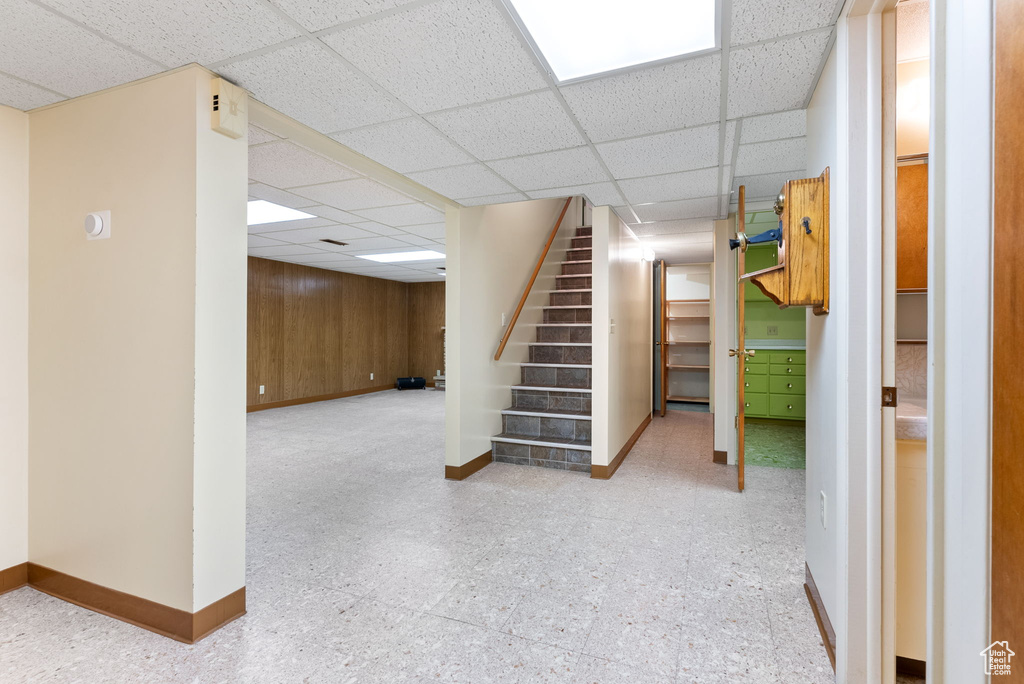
<point>997,658</point>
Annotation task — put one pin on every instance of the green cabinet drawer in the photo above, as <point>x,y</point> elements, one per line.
<point>758,359</point>
<point>756,369</point>
<point>786,369</point>
<point>786,407</point>
<point>756,383</point>
<point>788,358</point>
<point>779,384</point>
<point>755,404</point>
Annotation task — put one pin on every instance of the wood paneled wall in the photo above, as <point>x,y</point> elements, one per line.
<point>426,339</point>
<point>316,334</point>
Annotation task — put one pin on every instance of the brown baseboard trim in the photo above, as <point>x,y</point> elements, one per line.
<point>720,457</point>
<point>177,624</point>
<point>321,397</point>
<point>911,667</point>
<point>828,635</point>
<point>13,577</point>
<point>600,472</point>
<point>466,469</point>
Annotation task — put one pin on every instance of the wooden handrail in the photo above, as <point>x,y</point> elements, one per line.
<point>529,285</point>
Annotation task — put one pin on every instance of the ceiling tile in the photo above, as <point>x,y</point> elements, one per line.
<point>673,186</point>
<point>289,225</point>
<point>763,187</point>
<point>282,250</point>
<point>509,128</point>
<point>491,199</point>
<point>307,235</point>
<point>257,135</point>
<point>776,76</point>
<point>282,197</point>
<point>427,230</point>
<point>757,20</point>
<point>405,215</point>
<point>43,48</point>
<point>319,257</point>
<point>673,227</point>
<point>404,145</point>
<point>260,241</point>
<point>693,148</point>
<point>769,157</point>
<point>418,241</point>
<point>183,31</point>
<point>376,228</point>
<point>471,180</point>
<point>552,169</point>
<point>792,124</point>
<point>441,55</point>
<point>310,85</point>
<point>284,164</point>
<point>332,213</point>
<point>599,194</point>
<point>316,15</point>
<point>24,96</point>
<point>705,207</point>
<point>678,95</point>
<point>373,245</point>
<point>353,194</point>
<point>913,28</point>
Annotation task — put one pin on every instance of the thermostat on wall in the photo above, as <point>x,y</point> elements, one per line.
<point>97,225</point>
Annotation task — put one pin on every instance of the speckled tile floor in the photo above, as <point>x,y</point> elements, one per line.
<point>776,444</point>
<point>366,566</point>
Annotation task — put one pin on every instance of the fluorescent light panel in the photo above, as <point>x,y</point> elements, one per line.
<point>262,211</point>
<point>395,257</point>
<point>584,37</point>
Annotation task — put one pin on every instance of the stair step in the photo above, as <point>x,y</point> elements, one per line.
<point>581,261</point>
<point>579,325</point>
<point>548,413</point>
<point>561,344</point>
<point>556,442</point>
<point>569,306</point>
<point>578,249</point>
<point>556,365</point>
<point>547,388</point>
<point>569,291</point>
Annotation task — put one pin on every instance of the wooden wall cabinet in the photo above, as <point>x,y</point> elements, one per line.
<point>801,277</point>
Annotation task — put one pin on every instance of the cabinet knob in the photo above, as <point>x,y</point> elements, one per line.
<point>746,384</point>
<point>747,404</point>
<point>747,369</point>
<point>789,406</point>
<point>789,370</point>
<point>789,385</point>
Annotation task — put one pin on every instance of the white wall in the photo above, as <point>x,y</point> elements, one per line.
<point>492,251</point>
<point>691,281</point>
<point>14,135</point>
<point>136,465</point>
<point>623,335</point>
<point>724,322</point>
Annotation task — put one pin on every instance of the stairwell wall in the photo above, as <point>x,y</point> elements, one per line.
<point>491,253</point>
<point>623,336</point>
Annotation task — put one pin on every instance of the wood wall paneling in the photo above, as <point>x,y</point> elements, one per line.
<point>318,333</point>
<point>912,227</point>
<point>1008,328</point>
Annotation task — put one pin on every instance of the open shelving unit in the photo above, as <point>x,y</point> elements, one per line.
<point>686,350</point>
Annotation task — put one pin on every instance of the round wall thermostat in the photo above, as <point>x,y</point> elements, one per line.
<point>93,224</point>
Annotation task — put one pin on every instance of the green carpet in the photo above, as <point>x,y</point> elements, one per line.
<point>778,446</point>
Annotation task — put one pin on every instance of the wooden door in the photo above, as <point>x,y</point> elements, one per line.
<point>741,348</point>
<point>664,347</point>
<point>1008,329</point>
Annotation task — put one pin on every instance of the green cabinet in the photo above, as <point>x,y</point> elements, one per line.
<point>759,257</point>
<point>775,384</point>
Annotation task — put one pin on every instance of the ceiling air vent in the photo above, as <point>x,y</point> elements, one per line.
<point>334,242</point>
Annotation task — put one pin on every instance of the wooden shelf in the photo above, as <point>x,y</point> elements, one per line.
<point>695,400</point>
<point>686,367</point>
<point>690,343</point>
<point>687,301</point>
<point>683,318</point>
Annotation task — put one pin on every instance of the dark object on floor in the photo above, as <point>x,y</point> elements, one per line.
<point>410,383</point>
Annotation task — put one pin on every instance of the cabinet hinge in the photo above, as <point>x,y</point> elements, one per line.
<point>890,397</point>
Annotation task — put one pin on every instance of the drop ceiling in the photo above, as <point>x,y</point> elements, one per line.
<point>450,93</point>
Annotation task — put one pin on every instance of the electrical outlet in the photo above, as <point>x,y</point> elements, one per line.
<point>438,372</point>
<point>502,319</point>
<point>261,389</point>
<point>822,511</point>
<point>773,331</point>
<point>371,376</point>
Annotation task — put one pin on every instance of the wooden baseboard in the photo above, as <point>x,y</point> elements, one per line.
<point>911,667</point>
<point>720,457</point>
<point>13,578</point>
<point>600,472</point>
<point>310,400</point>
<point>466,469</point>
<point>828,634</point>
<point>175,623</point>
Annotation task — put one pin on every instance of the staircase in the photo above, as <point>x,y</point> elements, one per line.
<point>549,422</point>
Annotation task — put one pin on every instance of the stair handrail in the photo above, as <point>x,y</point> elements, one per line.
<point>529,285</point>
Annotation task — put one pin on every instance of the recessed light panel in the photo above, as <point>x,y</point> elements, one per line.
<point>585,37</point>
<point>262,211</point>
<point>394,257</point>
